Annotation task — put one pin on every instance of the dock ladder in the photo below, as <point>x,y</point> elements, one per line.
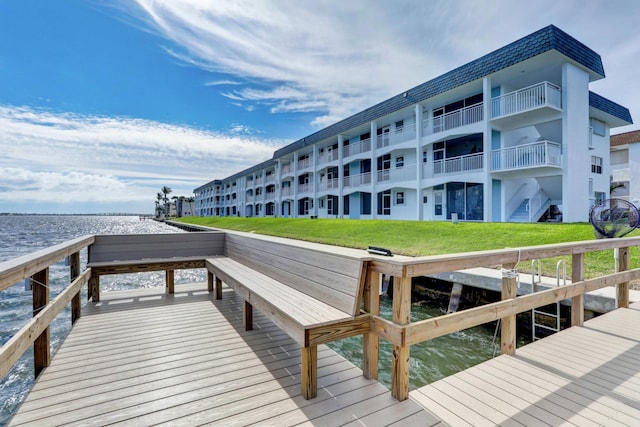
<point>553,314</point>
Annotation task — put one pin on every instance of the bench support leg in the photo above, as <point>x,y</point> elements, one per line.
<point>218,288</point>
<point>309,373</point>
<point>247,315</point>
<point>94,289</point>
<point>370,341</point>
<point>170,282</point>
<point>210,281</point>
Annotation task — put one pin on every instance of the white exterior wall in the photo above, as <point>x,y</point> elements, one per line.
<point>575,137</point>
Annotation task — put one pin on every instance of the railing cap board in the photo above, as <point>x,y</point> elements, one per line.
<point>17,269</point>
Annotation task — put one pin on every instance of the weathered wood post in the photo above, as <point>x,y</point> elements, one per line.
<point>622,290</point>
<point>210,281</point>
<point>400,354</point>
<point>577,302</point>
<point>169,280</point>
<point>370,341</point>
<point>41,345</point>
<point>94,288</point>
<point>74,272</point>
<point>508,323</point>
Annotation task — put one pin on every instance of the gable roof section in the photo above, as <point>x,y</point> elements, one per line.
<point>541,41</point>
<point>625,138</point>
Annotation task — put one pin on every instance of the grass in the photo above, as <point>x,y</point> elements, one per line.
<point>416,238</point>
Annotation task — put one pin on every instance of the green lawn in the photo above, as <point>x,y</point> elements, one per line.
<point>427,237</point>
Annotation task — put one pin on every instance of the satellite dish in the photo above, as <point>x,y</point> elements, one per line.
<point>614,218</point>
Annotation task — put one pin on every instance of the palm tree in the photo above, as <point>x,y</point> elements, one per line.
<point>165,191</point>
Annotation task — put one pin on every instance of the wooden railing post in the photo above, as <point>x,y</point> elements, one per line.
<point>577,302</point>
<point>508,323</point>
<point>400,354</point>
<point>169,279</point>
<point>41,345</point>
<point>94,288</point>
<point>370,341</point>
<point>74,272</point>
<point>622,290</point>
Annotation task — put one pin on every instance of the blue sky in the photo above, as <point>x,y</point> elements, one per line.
<point>104,102</point>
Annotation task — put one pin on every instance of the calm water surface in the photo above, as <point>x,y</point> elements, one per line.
<point>21,235</point>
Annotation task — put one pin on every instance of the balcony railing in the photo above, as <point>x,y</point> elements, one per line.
<point>540,95</point>
<point>259,181</point>
<point>286,191</point>
<point>354,181</point>
<point>304,188</point>
<point>357,147</point>
<point>328,156</point>
<point>454,119</point>
<point>288,168</point>
<point>304,163</point>
<point>400,135</point>
<point>329,184</point>
<point>543,153</point>
<point>270,178</point>
<point>406,173</point>
<point>460,164</point>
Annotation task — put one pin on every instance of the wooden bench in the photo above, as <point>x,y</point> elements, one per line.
<point>312,295</point>
<point>135,253</point>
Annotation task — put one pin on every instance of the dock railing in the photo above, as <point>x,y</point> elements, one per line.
<point>35,268</point>
<point>399,331</point>
<point>402,333</point>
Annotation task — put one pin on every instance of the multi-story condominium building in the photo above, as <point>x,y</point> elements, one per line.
<point>515,135</point>
<point>625,164</point>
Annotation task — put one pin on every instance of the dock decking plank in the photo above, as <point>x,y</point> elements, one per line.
<point>580,376</point>
<point>142,357</point>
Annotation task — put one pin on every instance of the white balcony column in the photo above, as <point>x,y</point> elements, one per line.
<point>487,187</point>
<point>314,180</point>
<point>374,173</point>
<point>419,204</point>
<point>294,208</point>
<point>340,176</point>
<point>576,157</point>
<point>278,207</point>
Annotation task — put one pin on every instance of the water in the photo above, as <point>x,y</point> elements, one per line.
<point>21,235</point>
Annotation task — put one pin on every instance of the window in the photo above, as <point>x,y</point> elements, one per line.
<point>425,156</point>
<point>399,161</point>
<point>599,127</point>
<point>596,164</point>
<point>400,198</point>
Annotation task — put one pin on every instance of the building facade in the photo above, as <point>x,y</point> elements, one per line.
<point>625,163</point>
<point>515,135</point>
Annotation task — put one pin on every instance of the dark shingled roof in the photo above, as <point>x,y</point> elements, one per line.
<point>625,138</point>
<point>544,40</point>
<point>609,107</point>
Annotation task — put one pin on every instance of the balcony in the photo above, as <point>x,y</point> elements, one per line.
<point>304,163</point>
<point>454,119</point>
<point>270,178</point>
<point>359,180</point>
<point>328,156</point>
<point>401,135</point>
<point>537,154</point>
<point>304,188</point>
<point>329,184</point>
<point>287,169</point>
<point>456,165</point>
<point>538,100</point>
<point>406,173</point>
<point>286,191</point>
<point>359,147</point>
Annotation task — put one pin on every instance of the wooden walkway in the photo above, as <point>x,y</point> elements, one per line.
<point>145,358</point>
<point>583,376</point>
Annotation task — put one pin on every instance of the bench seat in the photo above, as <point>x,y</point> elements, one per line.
<point>312,294</point>
<point>295,312</point>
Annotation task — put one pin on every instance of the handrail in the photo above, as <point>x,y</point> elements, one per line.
<point>13,349</point>
<point>17,269</point>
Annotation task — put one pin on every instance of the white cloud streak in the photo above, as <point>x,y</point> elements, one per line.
<point>336,57</point>
<point>53,157</point>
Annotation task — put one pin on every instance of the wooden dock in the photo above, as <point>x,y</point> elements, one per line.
<point>144,357</point>
<point>584,376</point>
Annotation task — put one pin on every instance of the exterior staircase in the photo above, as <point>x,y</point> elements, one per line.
<point>521,214</point>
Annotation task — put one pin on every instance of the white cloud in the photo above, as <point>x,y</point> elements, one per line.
<point>65,157</point>
<point>336,57</point>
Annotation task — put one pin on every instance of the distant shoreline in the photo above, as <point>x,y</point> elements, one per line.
<point>78,214</point>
